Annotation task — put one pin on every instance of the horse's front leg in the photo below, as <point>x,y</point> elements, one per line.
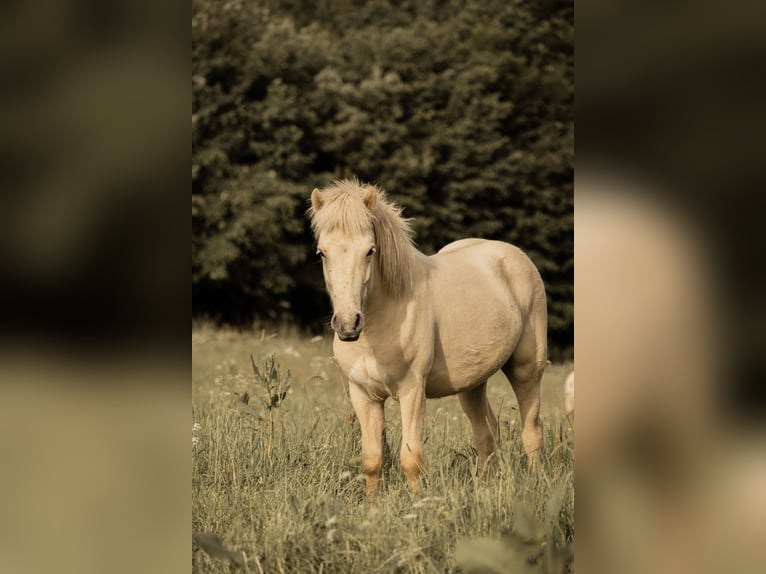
<point>369,411</point>
<point>412,402</point>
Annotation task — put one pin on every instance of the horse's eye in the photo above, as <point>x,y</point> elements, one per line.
<point>370,252</point>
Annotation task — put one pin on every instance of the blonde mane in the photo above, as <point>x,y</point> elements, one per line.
<point>343,209</point>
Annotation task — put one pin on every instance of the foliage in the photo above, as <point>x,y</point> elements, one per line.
<point>461,111</point>
<point>525,549</point>
<point>275,385</point>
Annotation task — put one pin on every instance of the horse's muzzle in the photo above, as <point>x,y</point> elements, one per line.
<point>348,337</point>
<point>344,332</point>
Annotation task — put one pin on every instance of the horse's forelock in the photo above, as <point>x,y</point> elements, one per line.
<point>342,210</point>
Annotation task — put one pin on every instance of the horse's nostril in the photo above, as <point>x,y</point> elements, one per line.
<point>358,321</point>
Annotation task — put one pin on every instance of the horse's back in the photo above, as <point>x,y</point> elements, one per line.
<point>497,263</point>
<point>460,244</point>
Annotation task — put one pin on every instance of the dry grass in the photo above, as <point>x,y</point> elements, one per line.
<point>280,487</point>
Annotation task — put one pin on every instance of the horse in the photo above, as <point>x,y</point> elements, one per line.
<point>569,394</point>
<point>411,327</point>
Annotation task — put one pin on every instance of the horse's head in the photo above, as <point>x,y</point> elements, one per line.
<point>346,244</point>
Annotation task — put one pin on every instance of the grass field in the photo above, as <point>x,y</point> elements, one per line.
<point>281,488</point>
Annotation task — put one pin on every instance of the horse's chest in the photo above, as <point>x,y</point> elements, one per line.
<point>366,369</point>
<point>369,373</point>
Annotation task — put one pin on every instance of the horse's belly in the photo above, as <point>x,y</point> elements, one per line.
<point>462,374</point>
<point>458,370</point>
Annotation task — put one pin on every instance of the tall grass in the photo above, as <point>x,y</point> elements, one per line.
<point>279,484</point>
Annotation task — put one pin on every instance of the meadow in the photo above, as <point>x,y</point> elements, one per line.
<point>277,485</point>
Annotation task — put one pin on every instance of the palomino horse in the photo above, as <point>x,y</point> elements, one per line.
<point>412,327</point>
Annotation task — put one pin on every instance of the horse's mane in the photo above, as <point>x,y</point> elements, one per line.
<point>344,210</point>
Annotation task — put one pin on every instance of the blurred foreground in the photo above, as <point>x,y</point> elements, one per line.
<point>669,467</point>
<point>670,457</point>
<point>94,477</point>
<point>670,443</point>
<point>94,305</point>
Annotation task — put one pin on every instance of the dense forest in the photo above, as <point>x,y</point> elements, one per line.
<point>461,111</point>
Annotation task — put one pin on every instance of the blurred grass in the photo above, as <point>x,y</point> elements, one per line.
<point>301,507</point>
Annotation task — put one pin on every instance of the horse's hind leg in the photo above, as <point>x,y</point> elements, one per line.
<point>524,371</point>
<point>483,422</point>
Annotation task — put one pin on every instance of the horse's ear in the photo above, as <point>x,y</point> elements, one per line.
<point>316,200</point>
<point>370,197</point>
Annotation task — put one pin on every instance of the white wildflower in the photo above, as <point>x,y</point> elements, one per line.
<point>345,475</point>
<point>426,500</point>
<point>290,350</point>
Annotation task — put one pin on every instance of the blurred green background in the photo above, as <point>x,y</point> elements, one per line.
<point>461,111</point>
